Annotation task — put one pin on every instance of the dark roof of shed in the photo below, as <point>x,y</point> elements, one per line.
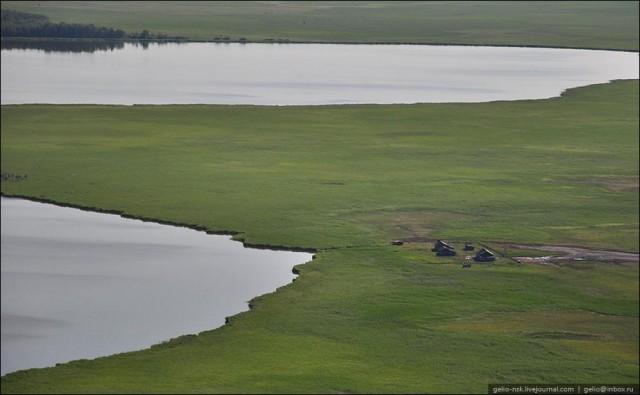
<point>443,243</point>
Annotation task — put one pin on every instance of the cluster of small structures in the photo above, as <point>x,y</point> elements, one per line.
<point>442,248</point>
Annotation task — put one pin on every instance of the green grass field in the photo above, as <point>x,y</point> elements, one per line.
<point>365,316</point>
<point>576,24</point>
<point>563,170</point>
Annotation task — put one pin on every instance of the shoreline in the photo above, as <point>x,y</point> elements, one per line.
<point>199,228</point>
<point>303,42</point>
<point>560,95</point>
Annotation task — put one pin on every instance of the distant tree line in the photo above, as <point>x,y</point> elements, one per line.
<point>23,24</point>
<point>48,45</point>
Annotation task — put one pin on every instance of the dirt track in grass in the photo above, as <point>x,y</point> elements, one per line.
<point>566,254</point>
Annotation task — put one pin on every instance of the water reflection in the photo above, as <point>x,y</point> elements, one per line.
<point>76,46</point>
<point>50,46</point>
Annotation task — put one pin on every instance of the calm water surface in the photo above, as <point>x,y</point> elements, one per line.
<point>302,74</point>
<point>78,284</point>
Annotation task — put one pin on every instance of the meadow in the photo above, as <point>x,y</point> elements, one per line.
<point>366,316</point>
<point>345,181</point>
<point>574,24</point>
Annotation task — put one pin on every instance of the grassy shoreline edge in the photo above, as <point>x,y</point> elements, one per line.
<point>196,227</point>
<point>293,42</point>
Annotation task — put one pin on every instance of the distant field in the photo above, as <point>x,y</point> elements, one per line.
<point>581,24</point>
<point>366,316</point>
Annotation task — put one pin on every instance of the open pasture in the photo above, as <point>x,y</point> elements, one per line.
<point>366,316</point>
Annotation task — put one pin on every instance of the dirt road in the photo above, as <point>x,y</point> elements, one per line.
<point>563,254</point>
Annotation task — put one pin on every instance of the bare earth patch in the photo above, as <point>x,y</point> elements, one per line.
<point>573,254</point>
<point>613,184</point>
<point>622,186</point>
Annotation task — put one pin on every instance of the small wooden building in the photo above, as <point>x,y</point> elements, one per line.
<point>468,247</point>
<point>439,245</point>
<point>484,255</point>
<point>446,251</point>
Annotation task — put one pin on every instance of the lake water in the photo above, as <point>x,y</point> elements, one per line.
<point>79,284</point>
<point>301,74</point>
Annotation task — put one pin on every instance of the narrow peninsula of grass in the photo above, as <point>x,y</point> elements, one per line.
<point>365,316</point>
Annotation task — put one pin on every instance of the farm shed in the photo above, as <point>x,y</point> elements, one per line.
<point>484,255</point>
<point>446,251</point>
<point>439,245</point>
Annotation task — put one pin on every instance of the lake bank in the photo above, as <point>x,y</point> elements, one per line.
<point>33,41</point>
<point>199,228</point>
